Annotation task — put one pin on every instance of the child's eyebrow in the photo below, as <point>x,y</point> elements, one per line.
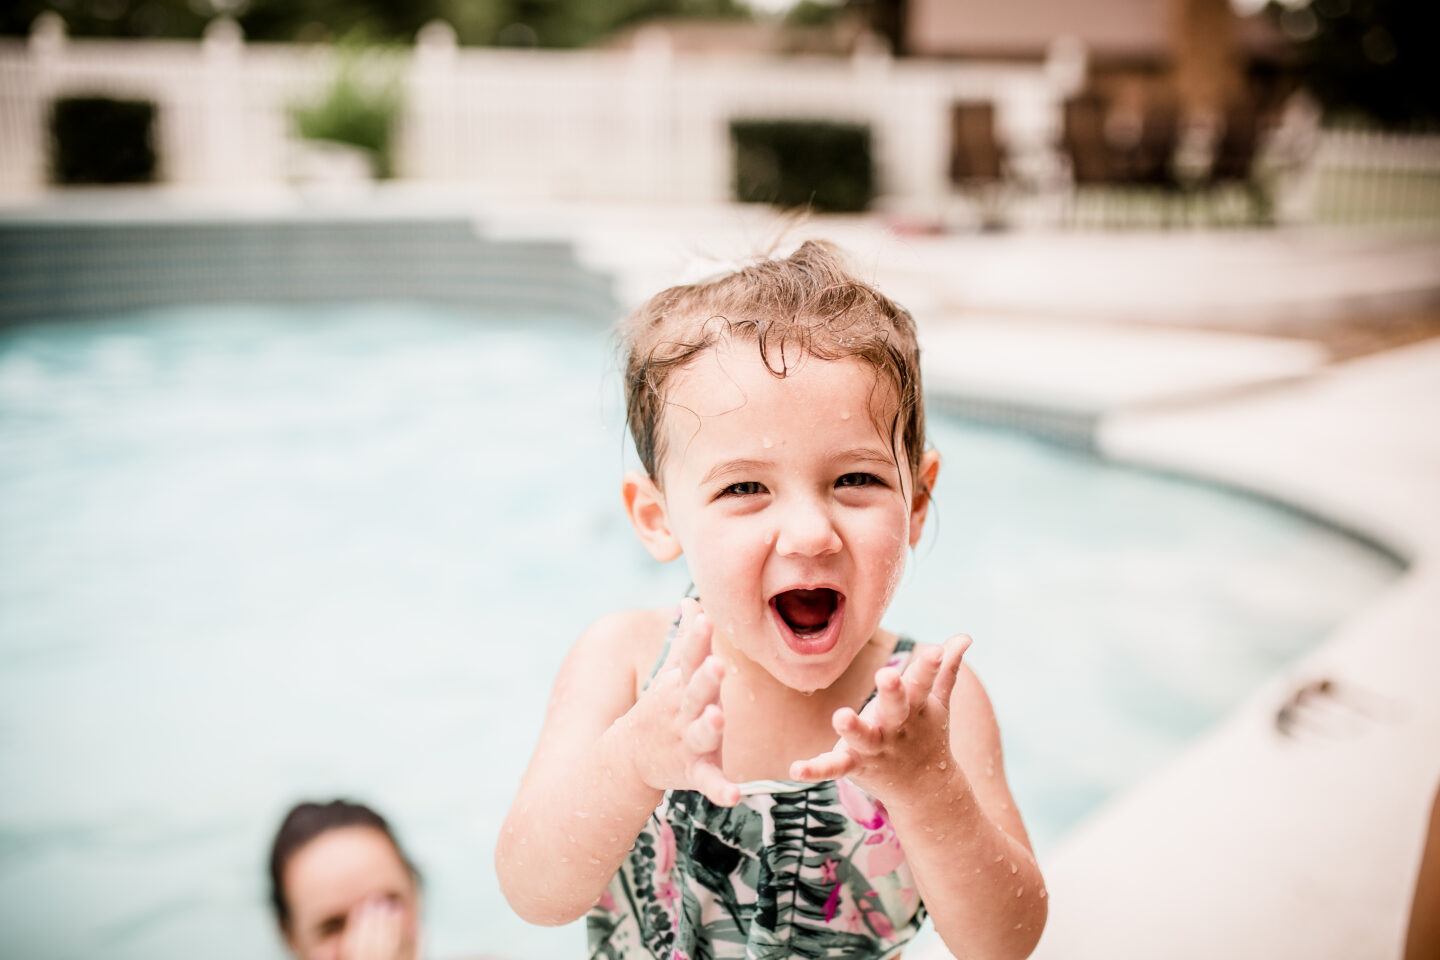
<point>731,466</point>
<point>865,455</point>
<point>855,455</point>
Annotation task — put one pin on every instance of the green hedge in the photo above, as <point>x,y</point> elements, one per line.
<point>821,164</point>
<point>102,140</point>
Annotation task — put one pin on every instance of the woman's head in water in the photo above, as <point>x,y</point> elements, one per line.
<point>341,885</point>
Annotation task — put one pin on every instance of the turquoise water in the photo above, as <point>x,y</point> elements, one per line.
<point>249,555</point>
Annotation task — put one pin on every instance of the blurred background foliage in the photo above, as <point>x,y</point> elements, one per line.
<point>544,23</point>
<point>361,104</point>
<point>1376,60</point>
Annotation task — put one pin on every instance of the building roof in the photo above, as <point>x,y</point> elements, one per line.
<point>1025,28</point>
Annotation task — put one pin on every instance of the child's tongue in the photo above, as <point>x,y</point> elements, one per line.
<point>806,611</point>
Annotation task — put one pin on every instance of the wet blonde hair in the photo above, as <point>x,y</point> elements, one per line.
<point>806,304</point>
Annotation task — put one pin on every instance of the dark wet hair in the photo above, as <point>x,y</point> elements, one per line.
<point>304,823</point>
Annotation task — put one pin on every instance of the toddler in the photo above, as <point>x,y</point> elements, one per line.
<point>768,772</point>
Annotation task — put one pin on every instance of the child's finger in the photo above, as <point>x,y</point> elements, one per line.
<point>703,688</point>
<point>705,733</point>
<point>955,649</point>
<point>711,781</point>
<point>855,731</point>
<point>920,675</point>
<point>692,641</point>
<point>891,708</point>
<point>831,765</point>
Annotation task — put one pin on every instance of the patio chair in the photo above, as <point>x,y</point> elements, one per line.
<point>1092,160</point>
<point>1236,151</point>
<point>1083,139</point>
<point>1151,161</point>
<point>978,166</point>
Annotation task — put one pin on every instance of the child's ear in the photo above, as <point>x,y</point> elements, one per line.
<point>924,489</point>
<point>646,508</point>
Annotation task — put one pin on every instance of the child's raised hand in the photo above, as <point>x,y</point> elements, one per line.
<point>678,721</point>
<point>376,929</point>
<point>903,729</point>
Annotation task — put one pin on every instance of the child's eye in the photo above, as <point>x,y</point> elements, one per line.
<point>859,480</point>
<point>745,488</point>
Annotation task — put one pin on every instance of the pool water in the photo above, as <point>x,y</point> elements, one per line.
<point>251,555</point>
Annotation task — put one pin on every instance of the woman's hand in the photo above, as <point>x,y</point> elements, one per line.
<point>902,732</point>
<point>377,929</point>
<point>678,724</point>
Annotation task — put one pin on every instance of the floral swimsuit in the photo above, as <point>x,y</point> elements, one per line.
<point>795,869</point>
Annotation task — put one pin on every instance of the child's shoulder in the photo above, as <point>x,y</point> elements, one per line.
<point>629,638</point>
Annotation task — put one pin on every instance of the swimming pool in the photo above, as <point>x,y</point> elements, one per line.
<point>251,554</point>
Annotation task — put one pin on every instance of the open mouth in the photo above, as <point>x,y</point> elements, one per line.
<point>809,619</point>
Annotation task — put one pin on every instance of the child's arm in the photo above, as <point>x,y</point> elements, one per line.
<point>928,747</point>
<point>604,761</point>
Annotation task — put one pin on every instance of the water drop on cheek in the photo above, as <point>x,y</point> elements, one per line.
<point>767,443</point>
<point>844,414</point>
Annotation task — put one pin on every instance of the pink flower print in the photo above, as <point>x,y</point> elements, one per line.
<point>848,917</point>
<point>827,875</point>
<point>879,922</point>
<point>678,954</point>
<point>665,889</point>
<point>832,903</point>
<point>882,848</point>
<point>857,804</point>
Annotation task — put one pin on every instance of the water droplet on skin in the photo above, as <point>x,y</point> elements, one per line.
<point>582,814</point>
<point>570,838</point>
<point>752,696</point>
<point>1019,892</point>
<point>1004,806</point>
<point>1014,868</point>
<point>990,770</point>
<point>944,764</point>
<point>614,839</point>
<point>564,859</point>
<point>999,857</point>
<point>509,831</point>
<point>844,414</point>
<point>977,869</point>
<point>1043,894</point>
<point>595,860</point>
<point>523,841</point>
<point>1018,926</point>
<point>767,443</point>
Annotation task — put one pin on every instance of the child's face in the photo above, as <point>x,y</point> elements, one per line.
<point>788,505</point>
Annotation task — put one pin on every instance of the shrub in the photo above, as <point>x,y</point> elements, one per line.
<point>794,163</point>
<point>102,140</point>
<point>358,108</point>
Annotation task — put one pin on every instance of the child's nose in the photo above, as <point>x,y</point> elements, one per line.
<point>806,531</point>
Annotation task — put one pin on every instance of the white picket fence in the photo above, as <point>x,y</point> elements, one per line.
<point>639,125</point>
<point>1364,176</point>
<point>599,125</point>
